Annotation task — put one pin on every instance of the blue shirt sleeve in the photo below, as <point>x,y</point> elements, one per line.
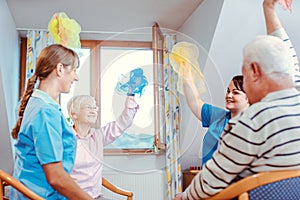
<point>215,119</point>
<point>210,114</point>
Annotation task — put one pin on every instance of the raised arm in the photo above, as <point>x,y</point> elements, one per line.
<point>274,27</point>
<point>114,129</point>
<point>191,92</point>
<point>272,21</point>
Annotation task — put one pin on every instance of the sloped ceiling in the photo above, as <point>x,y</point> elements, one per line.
<point>104,16</point>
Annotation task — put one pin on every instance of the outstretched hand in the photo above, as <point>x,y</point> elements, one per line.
<point>178,197</point>
<point>185,71</point>
<point>286,4</point>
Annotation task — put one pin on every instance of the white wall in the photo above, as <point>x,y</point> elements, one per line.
<point>9,75</point>
<point>200,29</point>
<point>223,32</point>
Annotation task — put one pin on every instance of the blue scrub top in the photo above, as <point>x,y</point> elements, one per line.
<point>215,119</point>
<point>44,137</point>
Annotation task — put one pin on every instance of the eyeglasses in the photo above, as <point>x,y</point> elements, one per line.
<point>90,108</point>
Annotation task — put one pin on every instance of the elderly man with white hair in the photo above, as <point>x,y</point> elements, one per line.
<point>265,137</point>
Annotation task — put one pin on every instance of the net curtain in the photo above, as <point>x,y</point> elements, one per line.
<point>173,169</point>
<point>36,41</point>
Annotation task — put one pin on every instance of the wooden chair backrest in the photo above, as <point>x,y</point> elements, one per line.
<point>6,179</point>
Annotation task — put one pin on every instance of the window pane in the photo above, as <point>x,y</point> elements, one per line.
<point>115,64</point>
<point>83,85</point>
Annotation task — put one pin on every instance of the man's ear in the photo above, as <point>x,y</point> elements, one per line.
<point>256,71</point>
<point>59,69</point>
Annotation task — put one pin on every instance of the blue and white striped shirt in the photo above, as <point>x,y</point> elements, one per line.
<point>265,137</point>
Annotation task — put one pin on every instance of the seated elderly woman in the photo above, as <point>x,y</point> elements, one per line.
<point>87,170</point>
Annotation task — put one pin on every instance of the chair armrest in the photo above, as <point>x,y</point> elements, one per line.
<point>6,179</point>
<point>116,189</point>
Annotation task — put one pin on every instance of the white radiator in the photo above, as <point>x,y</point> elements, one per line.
<point>148,186</point>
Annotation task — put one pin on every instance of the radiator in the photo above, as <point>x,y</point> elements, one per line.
<point>148,186</point>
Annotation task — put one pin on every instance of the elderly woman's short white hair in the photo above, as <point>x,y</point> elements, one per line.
<point>75,102</point>
<point>270,53</point>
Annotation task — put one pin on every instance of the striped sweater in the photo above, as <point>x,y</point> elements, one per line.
<point>281,33</point>
<point>265,137</point>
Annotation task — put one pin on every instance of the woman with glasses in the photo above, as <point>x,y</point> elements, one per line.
<point>87,170</point>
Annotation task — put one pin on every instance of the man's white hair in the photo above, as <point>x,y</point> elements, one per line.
<point>271,54</point>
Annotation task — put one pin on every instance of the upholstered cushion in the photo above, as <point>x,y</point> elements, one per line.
<point>288,189</point>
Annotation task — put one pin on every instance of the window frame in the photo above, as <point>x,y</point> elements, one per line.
<point>95,73</point>
<point>159,87</point>
<point>95,48</point>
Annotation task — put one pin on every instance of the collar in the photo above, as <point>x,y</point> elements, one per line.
<point>90,134</point>
<point>280,94</point>
<point>45,97</point>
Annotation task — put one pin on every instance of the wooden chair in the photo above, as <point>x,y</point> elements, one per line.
<point>6,179</point>
<point>264,185</point>
<point>115,189</point>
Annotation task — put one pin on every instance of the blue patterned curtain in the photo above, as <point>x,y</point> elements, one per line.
<point>173,169</point>
<point>36,41</point>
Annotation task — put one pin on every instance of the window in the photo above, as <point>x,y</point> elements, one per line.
<point>102,65</point>
<point>116,62</point>
<point>159,87</point>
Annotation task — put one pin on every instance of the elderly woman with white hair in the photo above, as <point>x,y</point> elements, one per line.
<point>87,170</point>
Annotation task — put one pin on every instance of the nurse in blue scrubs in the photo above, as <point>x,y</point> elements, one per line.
<point>45,145</point>
<point>212,117</point>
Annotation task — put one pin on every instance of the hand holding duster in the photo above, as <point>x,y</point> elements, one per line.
<point>184,60</point>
